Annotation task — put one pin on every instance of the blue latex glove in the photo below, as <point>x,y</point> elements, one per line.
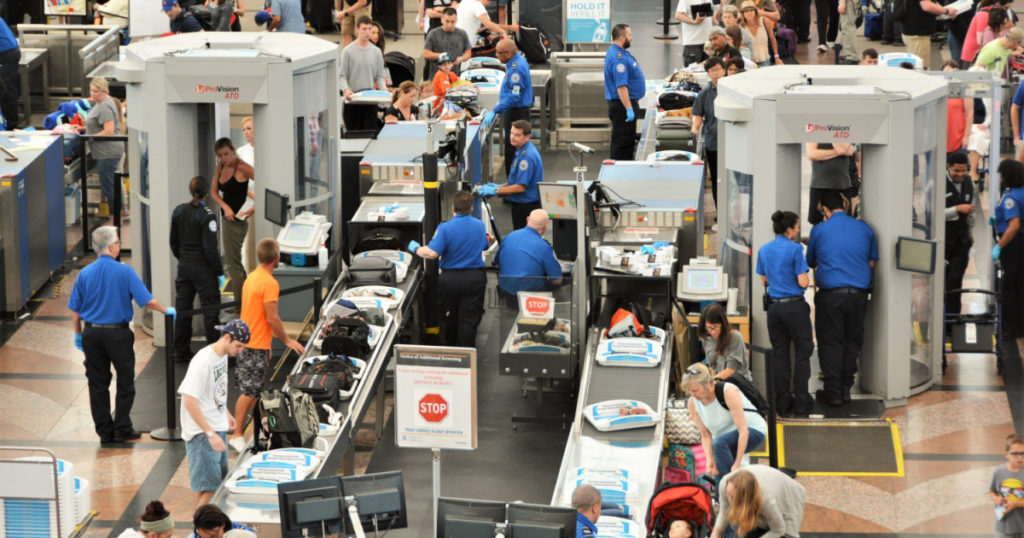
<point>660,244</point>
<point>173,312</point>
<point>995,251</point>
<point>488,118</point>
<point>647,249</point>
<point>488,189</point>
<point>413,245</point>
<point>630,116</point>
<point>220,281</point>
<point>78,342</point>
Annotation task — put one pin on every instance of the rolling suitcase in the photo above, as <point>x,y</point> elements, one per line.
<point>873,26</point>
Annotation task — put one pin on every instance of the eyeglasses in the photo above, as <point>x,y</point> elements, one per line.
<point>1017,454</point>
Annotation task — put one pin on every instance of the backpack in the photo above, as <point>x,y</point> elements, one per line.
<point>349,336</point>
<point>322,388</point>
<point>534,44</point>
<point>747,389</point>
<point>675,100</point>
<point>338,365</point>
<point>631,319</point>
<point>203,15</point>
<point>786,38</point>
<point>379,239</point>
<point>291,420</point>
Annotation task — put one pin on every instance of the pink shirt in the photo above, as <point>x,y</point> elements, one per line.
<point>978,26</point>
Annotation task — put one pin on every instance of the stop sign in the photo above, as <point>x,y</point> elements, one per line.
<point>433,408</point>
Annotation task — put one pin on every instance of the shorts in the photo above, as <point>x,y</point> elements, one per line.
<point>206,467</point>
<point>348,24</point>
<point>979,141</point>
<point>250,370</point>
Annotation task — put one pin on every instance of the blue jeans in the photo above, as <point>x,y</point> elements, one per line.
<point>955,46</point>
<point>106,168</point>
<point>724,447</point>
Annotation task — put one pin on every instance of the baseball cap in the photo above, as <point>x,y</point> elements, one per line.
<point>444,57</point>
<point>237,329</point>
<point>262,17</point>
<point>168,4</point>
<point>344,308</point>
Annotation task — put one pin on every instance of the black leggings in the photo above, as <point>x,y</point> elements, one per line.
<point>828,20</point>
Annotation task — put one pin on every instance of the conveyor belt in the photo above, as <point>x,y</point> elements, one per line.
<point>615,383</point>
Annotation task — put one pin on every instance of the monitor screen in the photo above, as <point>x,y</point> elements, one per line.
<point>380,498</point>
<point>541,521</point>
<point>276,209</point>
<point>916,255</point>
<point>558,200</point>
<point>310,505</point>
<point>702,280</point>
<point>299,233</point>
<point>459,518</point>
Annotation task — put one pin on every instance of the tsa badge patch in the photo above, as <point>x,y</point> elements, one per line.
<point>621,68</point>
<point>1009,203</point>
<point>523,165</point>
<point>515,77</point>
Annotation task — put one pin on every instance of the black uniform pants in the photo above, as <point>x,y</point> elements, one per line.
<point>194,278</point>
<point>789,326</point>
<point>507,117</point>
<point>103,348</point>
<point>839,325</point>
<point>462,304</point>
<point>520,212</point>
<point>1012,261</point>
<point>957,256</point>
<point>623,132</point>
<point>11,85</point>
<point>711,159</point>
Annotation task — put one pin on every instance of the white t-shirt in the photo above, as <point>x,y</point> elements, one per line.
<point>469,12</point>
<point>248,154</point>
<point>207,382</point>
<point>693,34</point>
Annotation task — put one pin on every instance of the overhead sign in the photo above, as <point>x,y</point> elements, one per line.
<point>435,397</point>
<point>588,21</point>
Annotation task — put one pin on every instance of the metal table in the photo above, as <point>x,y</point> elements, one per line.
<point>32,59</point>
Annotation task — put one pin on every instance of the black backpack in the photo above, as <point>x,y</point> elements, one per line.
<point>322,388</point>
<point>349,336</point>
<point>675,100</point>
<point>747,389</point>
<point>534,44</point>
<point>203,15</point>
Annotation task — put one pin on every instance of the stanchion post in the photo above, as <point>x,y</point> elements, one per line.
<point>318,296</point>
<point>666,20</point>
<point>769,373</point>
<point>171,432</point>
<point>431,220</point>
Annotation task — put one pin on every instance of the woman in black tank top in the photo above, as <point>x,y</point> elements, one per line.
<point>232,187</point>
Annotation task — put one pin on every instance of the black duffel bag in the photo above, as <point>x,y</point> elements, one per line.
<point>372,270</point>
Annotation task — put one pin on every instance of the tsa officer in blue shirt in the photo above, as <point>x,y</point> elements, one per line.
<point>783,271</point>
<point>10,55</point>
<point>526,262</point>
<point>842,251</point>
<point>516,95</point>
<point>459,243</point>
<point>586,499</point>
<point>527,172</point>
<point>102,298</point>
<point>1009,250</point>
<point>624,85</point>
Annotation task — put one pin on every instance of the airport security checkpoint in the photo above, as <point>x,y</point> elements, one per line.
<point>453,345</point>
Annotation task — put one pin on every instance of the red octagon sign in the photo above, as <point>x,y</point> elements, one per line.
<point>433,408</point>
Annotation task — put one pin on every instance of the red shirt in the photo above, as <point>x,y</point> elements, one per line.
<point>956,124</point>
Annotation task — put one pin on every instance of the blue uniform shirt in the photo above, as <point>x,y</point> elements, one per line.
<point>1009,208</point>
<point>622,69</point>
<point>104,290</point>
<point>459,242</point>
<point>781,261</point>
<point>527,170</point>
<point>7,39</point>
<point>517,87</point>
<point>583,522</point>
<point>524,253</point>
<point>841,248</point>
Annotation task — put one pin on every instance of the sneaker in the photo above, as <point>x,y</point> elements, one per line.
<point>238,444</point>
<point>831,44</point>
<point>822,49</point>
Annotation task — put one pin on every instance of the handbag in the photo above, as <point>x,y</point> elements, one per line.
<point>679,427</point>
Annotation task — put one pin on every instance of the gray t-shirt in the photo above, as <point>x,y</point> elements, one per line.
<point>455,43</point>
<point>1009,484</point>
<point>291,16</point>
<point>704,106</point>
<point>361,68</point>
<point>100,114</point>
<point>735,355</point>
<point>831,174</point>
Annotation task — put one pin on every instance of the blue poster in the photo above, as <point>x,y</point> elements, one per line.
<point>588,21</point>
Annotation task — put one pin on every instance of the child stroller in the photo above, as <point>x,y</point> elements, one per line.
<point>686,501</point>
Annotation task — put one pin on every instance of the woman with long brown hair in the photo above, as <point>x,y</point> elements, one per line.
<point>759,500</point>
<point>229,191</point>
<point>724,347</point>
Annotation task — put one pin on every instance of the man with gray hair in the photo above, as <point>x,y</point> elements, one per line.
<point>586,499</point>
<point>525,258</point>
<point>102,298</point>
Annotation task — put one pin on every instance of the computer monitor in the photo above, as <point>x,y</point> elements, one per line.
<point>310,505</point>
<point>702,281</point>
<point>558,200</point>
<point>541,521</point>
<point>464,518</point>
<point>916,255</point>
<point>380,498</point>
<point>276,210</point>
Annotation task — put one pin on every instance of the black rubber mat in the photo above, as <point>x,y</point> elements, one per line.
<point>855,449</point>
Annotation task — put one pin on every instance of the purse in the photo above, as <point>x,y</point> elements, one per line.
<point>679,427</point>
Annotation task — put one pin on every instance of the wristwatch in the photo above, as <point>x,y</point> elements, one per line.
<point>210,434</point>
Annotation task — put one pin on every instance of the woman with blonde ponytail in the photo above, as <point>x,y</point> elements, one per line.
<point>759,500</point>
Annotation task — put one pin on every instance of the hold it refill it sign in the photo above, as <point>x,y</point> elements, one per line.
<point>588,21</point>
<point>435,397</point>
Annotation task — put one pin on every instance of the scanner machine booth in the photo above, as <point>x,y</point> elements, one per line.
<point>897,118</point>
<point>181,88</point>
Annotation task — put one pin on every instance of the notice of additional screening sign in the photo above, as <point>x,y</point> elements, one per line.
<point>435,397</point>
